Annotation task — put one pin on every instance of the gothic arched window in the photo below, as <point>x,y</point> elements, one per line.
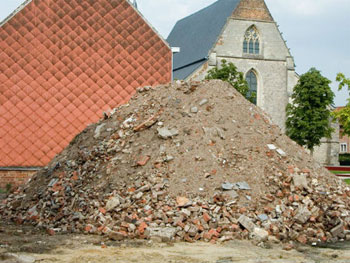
<point>251,43</point>
<point>253,85</point>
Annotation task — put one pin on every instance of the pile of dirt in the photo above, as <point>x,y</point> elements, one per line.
<point>186,161</point>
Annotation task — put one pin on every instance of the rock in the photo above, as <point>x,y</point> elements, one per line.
<point>273,239</point>
<point>112,203</point>
<point>227,186</point>
<point>247,223</point>
<point>214,132</point>
<point>243,186</point>
<point>13,258</point>
<point>271,147</point>
<point>165,233</point>
<point>98,130</point>
<point>288,247</point>
<point>281,152</point>
<point>194,109</point>
<point>165,133</point>
<point>300,181</point>
<point>144,188</point>
<point>183,201</point>
<point>117,236</point>
<point>263,217</point>
<point>232,194</point>
<point>138,195</point>
<point>168,158</point>
<point>143,160</point>
<point>338,230</point>
<point>203,102</point>
<point>260,234</point>
<point>303,215</point>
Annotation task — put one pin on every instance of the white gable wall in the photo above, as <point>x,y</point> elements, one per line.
<point>274,65</point>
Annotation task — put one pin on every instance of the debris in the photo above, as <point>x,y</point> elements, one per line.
<point>272,147</point>
<point>166,234</point>
<point>112,203</point>
<point>246,223</point>
<point>303,215</point>
<point>300,181</point>
<point>261,234</point>
<point>227,186</point>
<point>281,152</point>
<point>194,109</point>
<point>134,175</point>
<point>243,186</point>
<point>165,133</point>
<point>263,217</point>
<point>182,201</point>
<point>338,230</point>
<point>203,102</point>
<point>98,130</point>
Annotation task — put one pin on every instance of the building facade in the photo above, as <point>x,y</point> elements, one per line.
<point>242,32</point>
<point>249,37</point>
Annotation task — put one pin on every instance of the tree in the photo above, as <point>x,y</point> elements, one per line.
<point>228,72</point>
<point>343,115</point>
<point>308,117</point>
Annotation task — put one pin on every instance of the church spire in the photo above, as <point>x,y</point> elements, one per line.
<point>252,10</point>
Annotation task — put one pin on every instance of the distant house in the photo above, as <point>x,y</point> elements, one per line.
<point>344,140</point>
<point>62,64</point>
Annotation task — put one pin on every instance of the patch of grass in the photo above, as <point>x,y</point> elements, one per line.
<point>347,181</point>
<point>340,172</point>
<point>2,191</point>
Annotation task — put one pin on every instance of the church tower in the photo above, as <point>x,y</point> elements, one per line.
<point>252,10</point>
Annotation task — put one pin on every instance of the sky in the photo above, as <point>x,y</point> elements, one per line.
<point>316,31</point>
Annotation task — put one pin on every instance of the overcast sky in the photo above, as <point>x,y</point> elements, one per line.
<point>317,31</point>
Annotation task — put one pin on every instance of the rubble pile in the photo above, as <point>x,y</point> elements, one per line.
<point>186,161</point>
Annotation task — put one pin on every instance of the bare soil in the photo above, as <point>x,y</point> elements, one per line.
<point>29,244</point>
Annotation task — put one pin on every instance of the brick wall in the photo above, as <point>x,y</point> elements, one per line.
<point>14,177</point>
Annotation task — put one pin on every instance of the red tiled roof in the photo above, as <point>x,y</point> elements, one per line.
<point>64,62</point>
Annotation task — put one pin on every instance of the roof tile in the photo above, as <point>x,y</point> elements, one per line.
<point>63,63</point>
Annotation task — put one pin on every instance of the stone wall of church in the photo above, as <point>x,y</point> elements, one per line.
<point>274,66</point>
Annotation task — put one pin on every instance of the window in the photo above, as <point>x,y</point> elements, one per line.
<point>253,85</point>
<point>343,148</point>
<point>251,43</point>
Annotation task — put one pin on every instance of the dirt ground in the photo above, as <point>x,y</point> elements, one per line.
<point>23,245</point>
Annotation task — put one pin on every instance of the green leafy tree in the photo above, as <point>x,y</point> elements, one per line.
<point>343,115</point>
<point>308,117</point>
<point>228,72</point>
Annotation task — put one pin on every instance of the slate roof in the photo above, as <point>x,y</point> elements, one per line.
<point>62,64</point>
<point>196,35</point>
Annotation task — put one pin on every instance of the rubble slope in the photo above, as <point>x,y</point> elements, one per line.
<point>185,161</point>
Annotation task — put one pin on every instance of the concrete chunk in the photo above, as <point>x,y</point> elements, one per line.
<point>303,215</point>
<point>247,223</point>
<point>112,203</point>
<point>338,230</point>
<point>261,234</point>
<point>300,181</point>
<point>165,133</point>
<point>98,130</point>
<point>165,233</point>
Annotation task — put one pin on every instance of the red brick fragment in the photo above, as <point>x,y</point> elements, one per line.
<point>142,228</point>
<point>206,217</point>
<point>143,160</point>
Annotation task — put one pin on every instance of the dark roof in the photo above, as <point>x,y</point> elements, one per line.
<point>196,35</point>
